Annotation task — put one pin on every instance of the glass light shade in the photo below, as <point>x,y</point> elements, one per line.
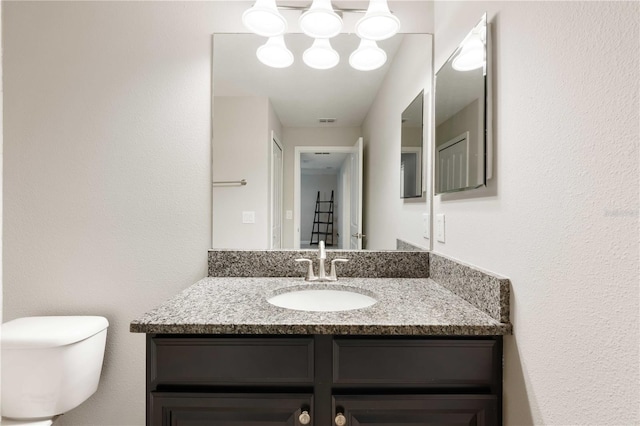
<point>264,19</point>
<point>321,55</point>
<point>471,56</point>
<point>378,23</point>
<point>274,53</point>
<point>368,56</point>
<point>321,21</point>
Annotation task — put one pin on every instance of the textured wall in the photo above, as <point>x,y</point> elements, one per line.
<point>107,171</point>
<point>561,217</point>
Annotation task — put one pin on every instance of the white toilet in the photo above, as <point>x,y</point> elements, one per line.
<point>50,365</point>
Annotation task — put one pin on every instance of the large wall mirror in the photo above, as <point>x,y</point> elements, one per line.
<point>462,159</point>
<point>303,140</point>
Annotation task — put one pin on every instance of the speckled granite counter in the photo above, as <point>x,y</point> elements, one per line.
<point>406,306</point>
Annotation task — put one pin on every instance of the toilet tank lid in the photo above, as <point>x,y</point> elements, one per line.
<point>49,332</point>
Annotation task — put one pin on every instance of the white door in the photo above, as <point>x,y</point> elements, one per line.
<point>355,205</point>
<point>453,164</point>
<point>276,194</point>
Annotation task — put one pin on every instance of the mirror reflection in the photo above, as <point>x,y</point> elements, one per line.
<point>411,149</point>
<point>305,142</point>
<point>461,116</point>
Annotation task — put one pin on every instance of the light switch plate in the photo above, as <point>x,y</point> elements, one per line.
<point>426,228</point>
<point>289,214</point>
<point>440,228</point>
<point>248,217</point>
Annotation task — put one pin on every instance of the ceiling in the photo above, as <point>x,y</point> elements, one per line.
<point>321,162</point>
<point>300,95</point>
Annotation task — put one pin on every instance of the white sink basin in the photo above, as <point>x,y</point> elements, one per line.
<point>327,298</point>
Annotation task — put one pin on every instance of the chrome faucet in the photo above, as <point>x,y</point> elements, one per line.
<point>322,272</point>
<point>322,256</point>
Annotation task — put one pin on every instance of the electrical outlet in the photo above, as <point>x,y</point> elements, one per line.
<point>288,215</point>
<point>248,217</point>
<point>440,228</point>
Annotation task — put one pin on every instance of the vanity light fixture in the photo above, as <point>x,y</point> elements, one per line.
<point>264,19</point>
<point>274,53</point>
<point>321,55</point>
<point>378,23</point>
<point>320,21</point>
<point>368,56</point>
<point>471,56</point>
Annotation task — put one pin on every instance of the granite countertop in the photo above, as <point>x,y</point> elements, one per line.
<point>406,306</point>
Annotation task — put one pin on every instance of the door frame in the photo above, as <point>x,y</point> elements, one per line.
<point>298,151</point>
<point>276,140</point>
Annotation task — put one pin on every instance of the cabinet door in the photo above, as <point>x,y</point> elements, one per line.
<point>418,410</point>
<point>207,409</point>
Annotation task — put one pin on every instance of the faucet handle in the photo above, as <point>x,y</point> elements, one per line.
<point>332,275</point>
<point>310,274</point>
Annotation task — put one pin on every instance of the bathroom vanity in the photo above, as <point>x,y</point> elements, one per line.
<point>220,354</point>
<point>278,380</point>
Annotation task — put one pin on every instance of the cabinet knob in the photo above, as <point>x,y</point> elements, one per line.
<point>304,418</point>
<point>341,420</point>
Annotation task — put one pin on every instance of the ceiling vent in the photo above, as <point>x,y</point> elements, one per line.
<point>327,120</point>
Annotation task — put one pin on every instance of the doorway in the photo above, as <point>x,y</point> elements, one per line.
<point>319,173</point>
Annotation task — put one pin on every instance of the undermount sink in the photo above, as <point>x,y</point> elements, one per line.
<point>322,298</point>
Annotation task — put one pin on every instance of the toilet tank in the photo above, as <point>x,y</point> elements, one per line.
<point>50,365</point>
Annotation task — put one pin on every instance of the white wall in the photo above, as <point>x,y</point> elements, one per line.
<point>308,136</point>
<point>561,217</point>
<point>386,216</point>
<point>241,146</point>
<point>107,171</point>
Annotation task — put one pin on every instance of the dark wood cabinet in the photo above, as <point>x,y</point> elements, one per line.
<point>212,409</point>
<point>413,410</point>
<point>272,380</point>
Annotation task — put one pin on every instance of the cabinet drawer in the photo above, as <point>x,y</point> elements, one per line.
<point>411,410</point>
<point>242,361</point>
<point>411,363</point>
<point>200,409</point>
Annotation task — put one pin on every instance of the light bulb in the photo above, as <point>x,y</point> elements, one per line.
<point>274,53</point>
<point>368,56</point>
<point>264,19</point>
<point>378,23</point>
<point>321,55</point>
<point>321,21</point>
<point>471,56</point>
